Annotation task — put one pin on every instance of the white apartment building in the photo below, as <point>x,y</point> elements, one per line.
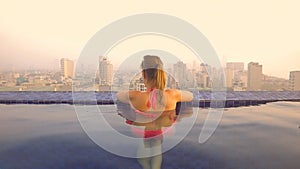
<point>255,77</point>
<point>105,71</point>
<point>67,68</point>
<point>294,81</point>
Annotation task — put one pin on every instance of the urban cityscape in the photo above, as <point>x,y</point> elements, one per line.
<point>237,76</point>
<point>73,95</point>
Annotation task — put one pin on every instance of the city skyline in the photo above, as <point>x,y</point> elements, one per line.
<point>189,66</point>
<point>270,35</point>
<point>195,76</point>
<point>52,65</point>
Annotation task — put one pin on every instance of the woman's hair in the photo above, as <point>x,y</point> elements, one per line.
<point>153,70</point>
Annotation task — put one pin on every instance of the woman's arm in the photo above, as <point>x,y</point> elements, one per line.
<point>127,96</point>
<point>186,96</point>
<point>123,96</point>
<point>180,95</point>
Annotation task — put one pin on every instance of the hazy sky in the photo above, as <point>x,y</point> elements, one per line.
<point>36,34</point>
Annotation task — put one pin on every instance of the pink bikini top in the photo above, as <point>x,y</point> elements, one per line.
<point>150,133</point>
<point>151,104</point>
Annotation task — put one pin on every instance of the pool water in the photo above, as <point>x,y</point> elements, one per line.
<point>50,137</point>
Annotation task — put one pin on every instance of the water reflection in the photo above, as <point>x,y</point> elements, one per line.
<point>152,127</point>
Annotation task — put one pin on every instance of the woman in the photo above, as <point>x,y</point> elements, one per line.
<point>156,97</point>
<point>152,107</point>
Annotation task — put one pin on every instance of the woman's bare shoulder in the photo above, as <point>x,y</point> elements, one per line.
<point>180,95</point>
<point>134,93</point>
<point>126,96</point>
<point>173,92</point>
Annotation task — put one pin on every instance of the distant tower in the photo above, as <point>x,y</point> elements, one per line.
<point>254,76</point>
<point>295,81</point>
<point>67,68</point>
<point>229,74</point>
<point>138,84</point>
<point>205,68</point>
<point>236,76</point>
<point>105,71</point>
<point>180,73</point>
<point>205,75</point>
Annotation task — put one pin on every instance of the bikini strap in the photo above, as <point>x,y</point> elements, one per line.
<point>152,99</point>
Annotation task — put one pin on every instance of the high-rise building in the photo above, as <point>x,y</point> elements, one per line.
<point>138,84</point>
<point>255,76</point>
<point>229,76</point>
<point>190,76</point>
<point>240,81</point>
<point>180,73</point>
<point>67,68</point>
<point>202,76</point>
<point>105,71</point>
<point>205,68</point>
<point>295,81</point>
<point>203,80</point>
<point>239,76</point>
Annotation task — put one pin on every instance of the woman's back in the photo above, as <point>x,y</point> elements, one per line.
<point>142,100</point>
